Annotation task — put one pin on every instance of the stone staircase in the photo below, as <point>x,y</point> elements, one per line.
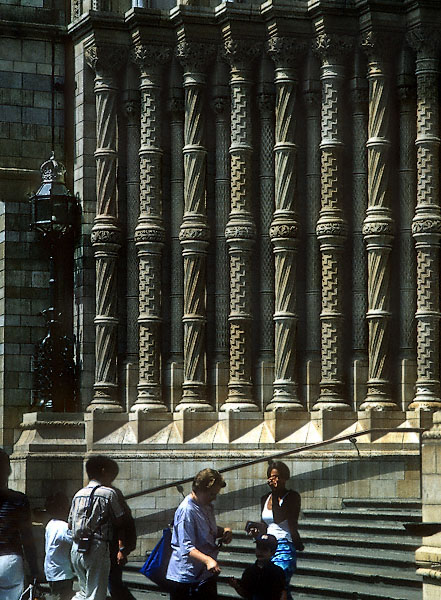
<point>360,552</point>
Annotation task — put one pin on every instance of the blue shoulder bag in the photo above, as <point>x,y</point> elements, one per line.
<point>155,567</point>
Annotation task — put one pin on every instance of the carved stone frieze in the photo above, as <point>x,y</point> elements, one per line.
<point>192,232</point>
<point>333,47</point>
<point>106,58</point>
<point>235,233</point>
<point>283,231</point>
<point>426,225</point>
<point>151,58</point>
<point>425,40</point>
<point>286,52</point>
<point>101,235</point>
<point>150,234</point>
<point>195,56</point>
<point>240,53</point>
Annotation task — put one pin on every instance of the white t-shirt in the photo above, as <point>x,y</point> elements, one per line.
<point>279,530</point>
<point>58,543</point>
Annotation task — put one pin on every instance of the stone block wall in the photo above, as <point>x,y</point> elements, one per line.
<point>32,120</point>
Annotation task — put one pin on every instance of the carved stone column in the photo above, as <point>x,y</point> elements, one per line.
<point>131,110</point>
<point>312,210</point>
<point>195,233</point>
<point>149,233</point>
<point>240,231</point>
<point>359,97</point>
<point>176,112</point>
<point>331,226</point>
<point>220,105</point>
<point>106,235</point>
<point>284,226</point>
<point>265,361</point>
<point>378,225</point>
<point>426,226</point>
<point>407,174</point>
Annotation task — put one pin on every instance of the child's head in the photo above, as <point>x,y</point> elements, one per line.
<point>266,545</point>
<point>102,468</point>
<point>57,505</point>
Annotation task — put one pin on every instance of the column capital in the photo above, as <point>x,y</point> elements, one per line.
<point>286,52</point>
<point>150,58</point>
<point>240,54</point>
<point>425,40</point>
<point>378,47</point>
<point>333,47</point>
<point>106,58</point>
<point>195,56</point>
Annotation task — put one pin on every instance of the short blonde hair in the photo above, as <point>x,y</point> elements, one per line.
<point>206,479</point>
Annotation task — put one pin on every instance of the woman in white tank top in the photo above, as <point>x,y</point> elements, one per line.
<point>280,513</point>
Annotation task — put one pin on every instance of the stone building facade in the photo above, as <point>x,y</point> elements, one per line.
<point>258,262</point>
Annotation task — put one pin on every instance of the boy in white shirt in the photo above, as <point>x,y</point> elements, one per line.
<point>58,544</point>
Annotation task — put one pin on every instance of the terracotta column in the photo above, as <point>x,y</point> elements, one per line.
<point>149,232</point>
<point>106,235</point>
<point>426,226</point>
<point>331,226</point>
<point>378,225</point>
<point>284,227</point>
<point>241,230</point>
<point>195,233</point>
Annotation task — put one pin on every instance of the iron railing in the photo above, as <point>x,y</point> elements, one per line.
<point>351,437</point>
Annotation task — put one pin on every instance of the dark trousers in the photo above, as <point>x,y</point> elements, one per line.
<point>61,590</point>
<point>117,588</point>
<point>191,591</point>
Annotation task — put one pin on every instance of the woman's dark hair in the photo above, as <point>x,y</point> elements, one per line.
<point>97,464</point>
<point>281,468</point>
<point>206,479</point>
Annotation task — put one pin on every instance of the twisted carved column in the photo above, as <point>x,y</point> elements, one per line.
<point>378,225</point>
<point>407,174</point>
<point>284,226</point>
<point>149,232</point>
<point>220,105</point>
<point>106,235</point>
<point>195,232</point>
<point>240,231</point>
<point>331,226</point>
<point>426,226</point>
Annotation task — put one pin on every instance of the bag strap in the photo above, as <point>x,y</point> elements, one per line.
<point>90,502</point>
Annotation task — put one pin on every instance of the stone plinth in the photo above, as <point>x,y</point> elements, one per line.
<point>428,556</point>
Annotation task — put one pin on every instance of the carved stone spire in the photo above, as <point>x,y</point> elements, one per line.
<point>106,236</point>
<point>284,227</point>
<point>149,232</point>
<point>426,226</point>
<point>378,225</point>
<point>241,230</point>
<point>331,226</point>
<point>195,233</point>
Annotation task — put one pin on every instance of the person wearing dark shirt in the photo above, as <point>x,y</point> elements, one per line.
<point>264,580</point>
<point>280,514</point>
<point>16,538</point>
<point>118,590</point>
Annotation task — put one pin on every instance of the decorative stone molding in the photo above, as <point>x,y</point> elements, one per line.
<point>331,226</point>
<point>106,60</point>
<point>378,225</point>
<point>194,234</point>
<point>149,232</point>
<point>284,227</point>
<point>240,229</point>
<point>426,225</point>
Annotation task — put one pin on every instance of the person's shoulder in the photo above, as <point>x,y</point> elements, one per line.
<point>275,570</point>
<point>293,495</point>
<point>15,497</point>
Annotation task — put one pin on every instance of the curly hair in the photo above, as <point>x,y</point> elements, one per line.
<point>206,479</point>
<point>281,468</point>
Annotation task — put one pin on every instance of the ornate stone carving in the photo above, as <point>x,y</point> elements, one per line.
<point>284,227</point>
<point>194,234</point>
<point>426,226</point>
<point>149,232</point>
<point>106,60</point>
<point>331,227</point>
<point>240,230</point>
<point>378,226</point>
